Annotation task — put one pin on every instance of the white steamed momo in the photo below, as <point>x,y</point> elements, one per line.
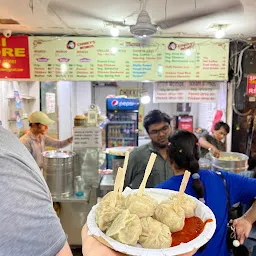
<point>167,214</point>
<point>155,235</point>
<point>109,198</point>
<point>143,206</point>
<point>105,215</point>
<point>126,228</point>
<point>187,204</point>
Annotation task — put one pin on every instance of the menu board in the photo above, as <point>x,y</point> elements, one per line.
<point>165,92</point>
<point>111,59</point>
<point>87,137</point>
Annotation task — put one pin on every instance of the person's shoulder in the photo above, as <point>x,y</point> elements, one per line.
<point>140,149</point>
<point>207,174</point>
<point>25,137</point>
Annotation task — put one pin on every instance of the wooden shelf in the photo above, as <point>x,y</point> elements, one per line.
<point>25,97</point>
<point>13,119</point>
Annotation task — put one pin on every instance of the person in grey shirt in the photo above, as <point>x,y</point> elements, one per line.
<point>29,225</point>
<point>36,140</point>
<point>157,125</point>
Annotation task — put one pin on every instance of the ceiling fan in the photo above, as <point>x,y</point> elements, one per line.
<point>144,28</point>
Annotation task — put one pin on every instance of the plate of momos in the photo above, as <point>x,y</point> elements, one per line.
<point>142,225</point>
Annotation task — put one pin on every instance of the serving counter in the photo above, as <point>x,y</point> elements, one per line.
<point>107,184</point>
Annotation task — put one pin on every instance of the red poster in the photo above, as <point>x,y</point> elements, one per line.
<point>217,118</point>
<point>185,123</point>
<point>251,84</point>
<point>14,57</point>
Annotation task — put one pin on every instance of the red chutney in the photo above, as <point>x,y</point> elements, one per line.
<point>193,228</point>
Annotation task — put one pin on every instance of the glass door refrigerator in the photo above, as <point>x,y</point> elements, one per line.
<point>122,129</point>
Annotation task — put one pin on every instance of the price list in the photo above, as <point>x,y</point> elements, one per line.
<point>87,137</point>
<point>124,59</point>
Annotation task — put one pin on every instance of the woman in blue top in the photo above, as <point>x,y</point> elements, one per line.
<point>207,186</point>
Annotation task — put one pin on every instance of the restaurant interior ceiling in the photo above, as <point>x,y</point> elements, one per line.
<point>88,18</point>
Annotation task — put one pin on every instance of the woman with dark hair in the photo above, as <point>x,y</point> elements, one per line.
<point>208,187</point>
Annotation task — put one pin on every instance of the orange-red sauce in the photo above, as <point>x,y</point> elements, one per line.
<point>193,228</point>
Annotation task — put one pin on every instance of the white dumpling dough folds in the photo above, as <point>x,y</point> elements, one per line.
<point>155,235</point>
<point>143,206</point>
<point>167,214</point>
<point>186,203</point>
<point>105,215</point>
<point>108,199</point>
<point>126,228</point>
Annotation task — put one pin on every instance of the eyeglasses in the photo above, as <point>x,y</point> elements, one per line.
<point>157,132</point>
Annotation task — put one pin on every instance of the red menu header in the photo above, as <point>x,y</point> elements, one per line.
<point>14,57</point>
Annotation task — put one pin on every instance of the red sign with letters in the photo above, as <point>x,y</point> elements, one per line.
<point>14,57</point>
<point>185,123</point>
<point>251,84</point>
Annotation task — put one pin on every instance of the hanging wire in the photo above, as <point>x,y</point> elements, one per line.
<point>31,5</point>
<point>165,9</point>
<point>238,75</point>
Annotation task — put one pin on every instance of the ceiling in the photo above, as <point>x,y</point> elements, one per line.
<point>85,17</point>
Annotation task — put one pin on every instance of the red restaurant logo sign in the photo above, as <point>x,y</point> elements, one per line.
<point>14,57</point>
<point>251,84</point>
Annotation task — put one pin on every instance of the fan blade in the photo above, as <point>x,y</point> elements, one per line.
<point>80,13</point>
<point>116,23</point>
<point>72,10</point>
<point>165,24</point>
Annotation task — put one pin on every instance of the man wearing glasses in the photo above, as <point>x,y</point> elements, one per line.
<point>157,125</point>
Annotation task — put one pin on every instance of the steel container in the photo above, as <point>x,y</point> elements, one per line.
<point>235,166</point>
<point>59,172</point>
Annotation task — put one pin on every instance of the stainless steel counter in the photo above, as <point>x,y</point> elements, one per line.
<point>107,183</point>
<point>74,199</point>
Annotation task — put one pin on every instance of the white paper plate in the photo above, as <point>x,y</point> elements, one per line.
<point>118,151</point>
<point>202,211</point>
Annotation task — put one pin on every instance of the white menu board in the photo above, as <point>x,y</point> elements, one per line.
<point>87,137</point>
<point>165,92</point>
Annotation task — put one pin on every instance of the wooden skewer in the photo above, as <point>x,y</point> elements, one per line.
<point>126,159</point>
<point>119,176</point>
<point>147,173</point>
<point>182,189</point>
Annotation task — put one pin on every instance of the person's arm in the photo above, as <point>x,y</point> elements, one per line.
<point>29,224</point>
<point>50,142</point>
<point>241,189</point>
<point>243,225</point>
<point>26,144</point>
<point>92,247</point>
<point>207,145</point>
<point>65,251</point>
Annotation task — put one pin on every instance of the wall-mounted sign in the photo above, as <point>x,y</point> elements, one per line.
<point>14,57</point>
<point>120,59</point>
<point>123,104</point>
<point>251,84</point>
<point>87,137</point>
<point>165,92</point>
<point>50,102</point>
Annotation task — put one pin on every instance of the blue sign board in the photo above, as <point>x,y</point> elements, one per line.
<point>123,104</point>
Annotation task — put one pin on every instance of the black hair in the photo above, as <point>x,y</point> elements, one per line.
<point>252,165</point>
<point>223,125</point>
<point>30,124</point>
<point>183,149</point>
<point>154,117</point>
